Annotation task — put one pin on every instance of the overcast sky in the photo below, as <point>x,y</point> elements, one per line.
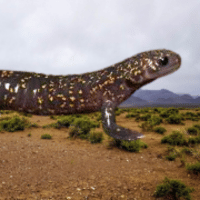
<point>76,36</point>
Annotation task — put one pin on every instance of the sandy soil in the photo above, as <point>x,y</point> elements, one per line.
<point>32,168</point>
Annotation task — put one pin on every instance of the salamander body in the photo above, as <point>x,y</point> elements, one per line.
<point>103,90</point>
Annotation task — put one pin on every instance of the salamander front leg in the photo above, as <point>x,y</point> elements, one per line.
<point>111,128</point>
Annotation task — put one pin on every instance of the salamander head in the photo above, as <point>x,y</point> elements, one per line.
<point>148,66</point>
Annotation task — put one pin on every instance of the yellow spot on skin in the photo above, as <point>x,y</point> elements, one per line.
<point>59,95</point>
<point>40,100</point>
<point>82,100</point>
<point>63,105</point>
<point>72,98</point>
<point>23,85</point>
<point>64,99</point>
<point>122,87</point>
<point>11,90</point>
<point>44,86</point>
<point>70,92</point>
<point>51,98</point>
<point>71,105</point>
<point>80,92</point>
<point>104,93</point>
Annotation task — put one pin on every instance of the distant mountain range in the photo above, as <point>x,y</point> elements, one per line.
<point>163,97</point>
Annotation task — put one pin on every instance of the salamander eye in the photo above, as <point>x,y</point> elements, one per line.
<point>164,61</point>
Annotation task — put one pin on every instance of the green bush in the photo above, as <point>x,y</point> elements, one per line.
<point>65,121</point>
<point>187,151</point>
<point>146,126</point>
<point>155,120</point>
<point>130,115</point>
<point>53,117</point>
<point>197,126</point>
<point>175,138</point>
<point>168,111</point>
<point>159,129</point>
<point>173,189</point>
<point>174,119</point>
<point>84,124</point>
<point>25,114</point>
<point>33,125</point>
<point>132,146</point>
<point>46,136</point>
<point>145,117</point>
<point>194,140</point>
<point>74,131</point>
<point>171,156</point>
<point>14,124</point>
<point>96,137</point>
<point>194,168</point>
<point>118,111</point>
<point>99,117</point>
<point>192,131</point>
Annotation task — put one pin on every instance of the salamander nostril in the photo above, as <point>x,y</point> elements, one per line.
<point>164,61</point>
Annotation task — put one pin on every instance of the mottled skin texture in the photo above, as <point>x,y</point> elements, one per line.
<point>100,90</point>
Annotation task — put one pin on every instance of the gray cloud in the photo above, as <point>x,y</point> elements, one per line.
<point>66,37</point>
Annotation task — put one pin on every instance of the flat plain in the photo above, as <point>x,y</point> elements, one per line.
<point>65,168</point>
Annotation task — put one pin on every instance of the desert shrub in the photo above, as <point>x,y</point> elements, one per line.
<point>65,121</point>
<point>74,131</point>
<point>169,111</point>
<point>84,124</point>
<point>194,168</point>
<point>96,137</point>
<point>99,117</point>
<point>145,110</point>
<point>118,111</point>
<point>5,118</point>
<point>46,136</point>
<point>187,151</point>
<point>159,129</point>
<point>156,110</point>
<point>145,117</point>
<point>197,126</point>
<point>6,111</point>
<point>175,138</point>
<point>164,114</point>
<point>173,189</point>
<point>194,140</point>
<point>132,146</point>
<point>77,120</point>
<point>192,131</point>
<point>191,116</point>
<point>33,125</point>
<point>14,124</point>
<point>171,156</point>
<point>130,115</point>
<point>25,114</point>
<point>173,153</point>
<point>155,120</point>
<point>53,117</point>
<point>146,126</point>
<point>174,119</point>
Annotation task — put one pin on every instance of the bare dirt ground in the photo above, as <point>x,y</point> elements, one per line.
<point>61,168</point>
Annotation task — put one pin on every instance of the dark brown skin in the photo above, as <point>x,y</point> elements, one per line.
<point>101,90</point>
